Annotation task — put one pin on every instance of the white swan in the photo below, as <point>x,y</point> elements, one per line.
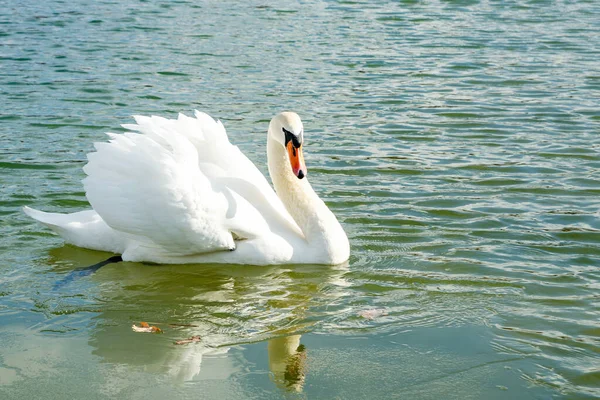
<point>178,192</point>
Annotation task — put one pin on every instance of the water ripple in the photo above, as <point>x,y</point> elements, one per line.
<point>457,142</point>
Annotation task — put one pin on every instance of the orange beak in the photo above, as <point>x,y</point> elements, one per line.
<point>296,160</point>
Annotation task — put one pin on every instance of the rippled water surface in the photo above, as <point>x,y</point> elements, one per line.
<point>457,141</point>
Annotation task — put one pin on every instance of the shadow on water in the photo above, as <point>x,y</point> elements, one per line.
<point>225,305</point>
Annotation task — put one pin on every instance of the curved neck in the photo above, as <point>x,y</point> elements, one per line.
<point>320,227</point>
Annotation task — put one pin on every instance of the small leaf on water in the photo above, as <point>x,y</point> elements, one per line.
<point>145,328</point>
<point>156,329</point>
<point>193,339</point>
<point>371,314</point>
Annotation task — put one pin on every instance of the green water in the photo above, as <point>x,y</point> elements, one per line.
<point>457,141</point>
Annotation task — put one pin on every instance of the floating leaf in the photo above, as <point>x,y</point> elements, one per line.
<point>371,314</point>
<point>193,339</point>
<point>145,328</point>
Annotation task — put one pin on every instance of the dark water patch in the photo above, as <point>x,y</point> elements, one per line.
<point>81,204</point>
<point>172,73</point>
<point>95,90</point>
<point>10,117</point>
<point>22,165</point>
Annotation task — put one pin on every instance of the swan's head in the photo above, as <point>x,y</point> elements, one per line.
<point>287,130</point>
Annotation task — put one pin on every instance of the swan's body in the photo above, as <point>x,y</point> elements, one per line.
<point>178,192</point>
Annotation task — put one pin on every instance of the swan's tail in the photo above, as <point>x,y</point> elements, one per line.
<point>83,229</point>
<point>54,221</point>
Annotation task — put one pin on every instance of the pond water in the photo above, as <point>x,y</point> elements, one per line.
<point>457,141</point>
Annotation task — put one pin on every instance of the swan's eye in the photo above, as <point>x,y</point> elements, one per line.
<point>289,136</point>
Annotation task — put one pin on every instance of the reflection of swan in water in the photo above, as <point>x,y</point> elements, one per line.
<point>229,305</point>
<point>287,360</point>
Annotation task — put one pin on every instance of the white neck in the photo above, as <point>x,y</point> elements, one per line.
<point>321,228</point>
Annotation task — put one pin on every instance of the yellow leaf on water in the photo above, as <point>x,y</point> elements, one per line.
<point>145,328</point>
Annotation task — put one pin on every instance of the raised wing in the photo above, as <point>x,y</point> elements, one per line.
<point>180,186</point>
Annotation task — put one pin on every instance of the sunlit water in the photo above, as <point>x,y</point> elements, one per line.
<point>457,141</point>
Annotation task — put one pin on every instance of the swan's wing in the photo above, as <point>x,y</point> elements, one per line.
<point>167,186</point>
<point>157,194</point>
<point>223,163</point>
